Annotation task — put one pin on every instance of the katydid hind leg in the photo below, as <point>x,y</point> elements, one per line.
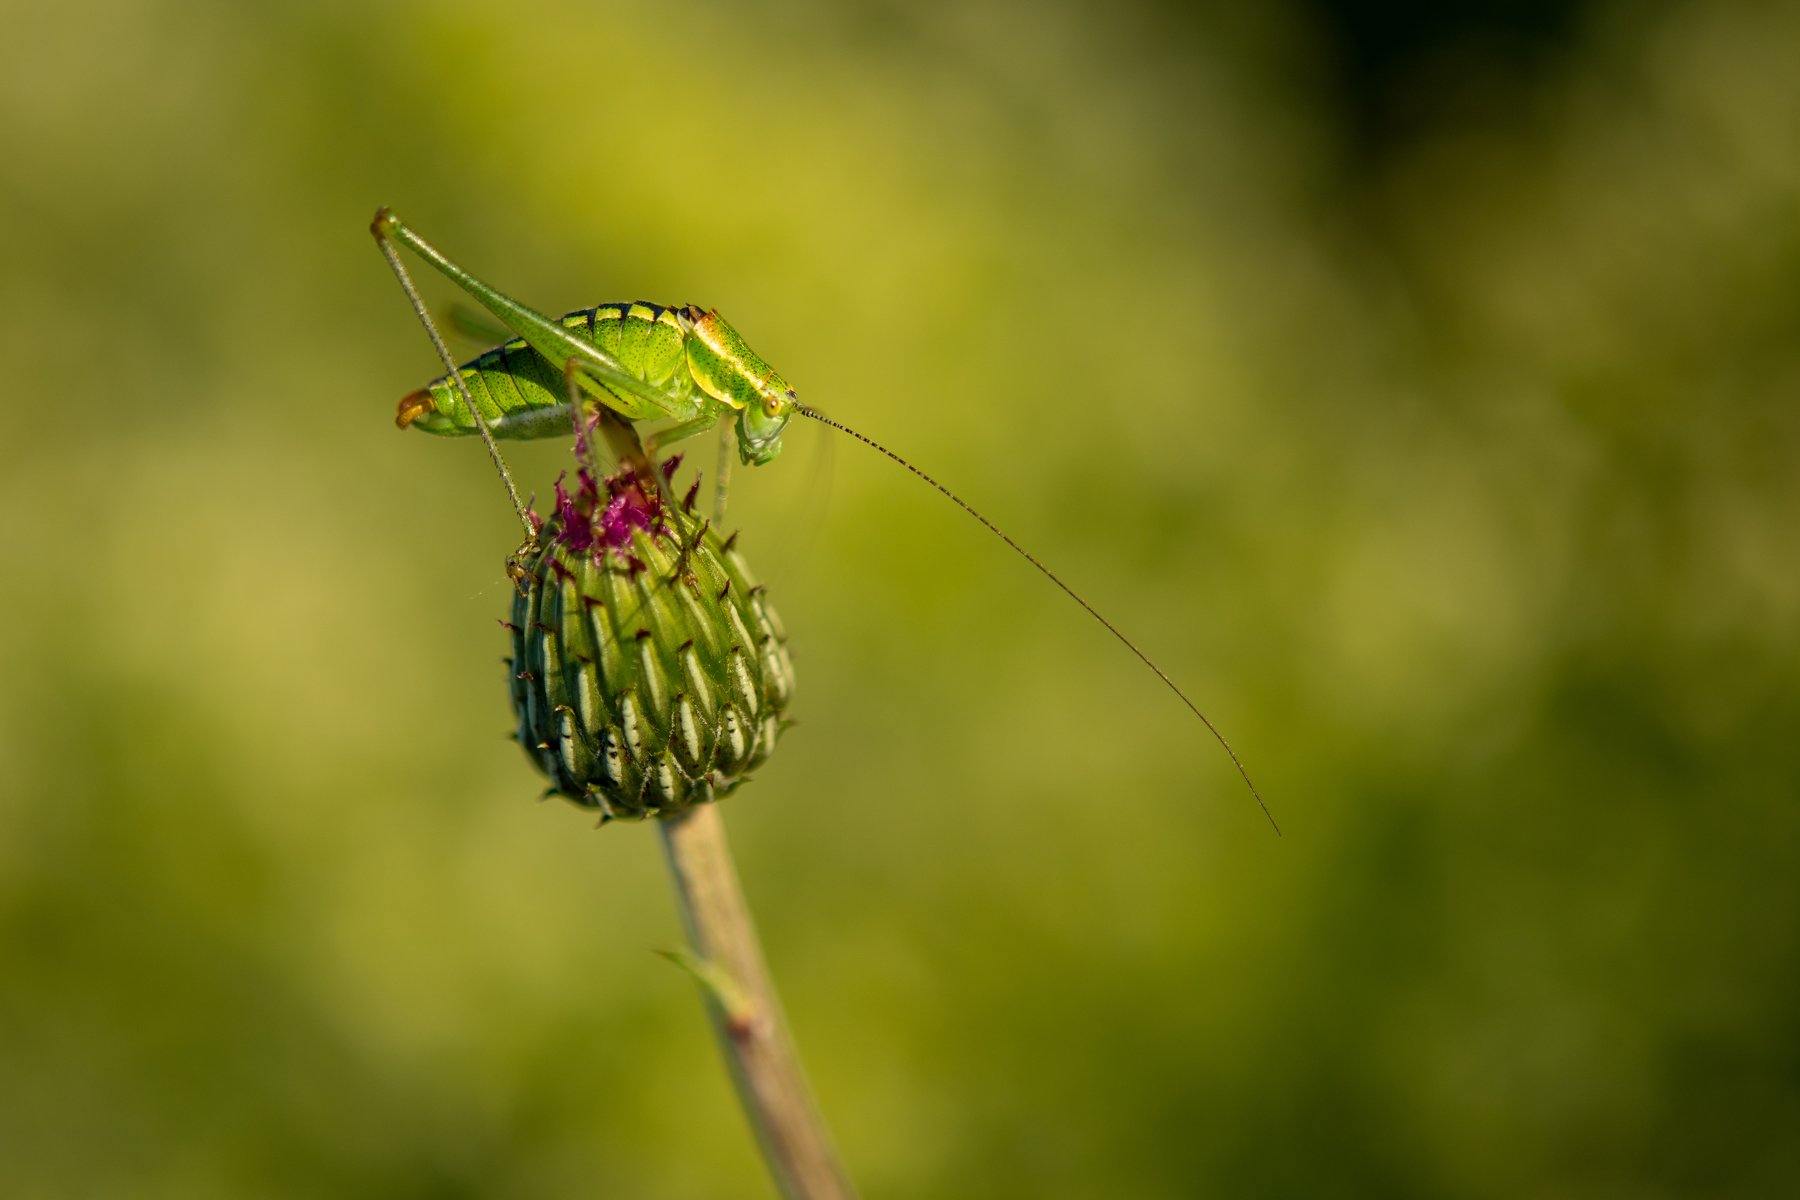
<point>382,227</point>
<point>603,376</point>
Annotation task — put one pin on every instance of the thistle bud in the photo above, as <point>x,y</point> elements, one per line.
<point>648,672</point>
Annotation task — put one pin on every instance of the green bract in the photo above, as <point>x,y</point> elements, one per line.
<point>648,673</point>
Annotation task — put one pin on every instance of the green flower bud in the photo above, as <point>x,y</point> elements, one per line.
<point>648,672</point>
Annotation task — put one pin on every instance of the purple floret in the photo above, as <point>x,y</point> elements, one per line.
<point>596,518</point>
<point>627,510</point>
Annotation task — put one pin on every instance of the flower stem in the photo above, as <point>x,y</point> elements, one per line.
<point>746,1013</point>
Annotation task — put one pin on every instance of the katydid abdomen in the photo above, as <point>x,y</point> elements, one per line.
<point>519,394</point>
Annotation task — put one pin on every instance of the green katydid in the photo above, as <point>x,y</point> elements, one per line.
<point>640,362</point>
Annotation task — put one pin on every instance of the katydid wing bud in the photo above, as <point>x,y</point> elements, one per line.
<point>648,673</point>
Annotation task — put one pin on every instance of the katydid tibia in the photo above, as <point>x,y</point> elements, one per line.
<point>640,362</point>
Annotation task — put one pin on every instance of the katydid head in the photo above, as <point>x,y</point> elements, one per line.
<point>761,421</point>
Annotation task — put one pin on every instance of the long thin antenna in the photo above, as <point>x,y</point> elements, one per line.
<point>994,529</point>
<point>412,293</point>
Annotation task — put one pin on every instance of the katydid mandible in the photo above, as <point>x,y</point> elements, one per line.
<point>641,362</point>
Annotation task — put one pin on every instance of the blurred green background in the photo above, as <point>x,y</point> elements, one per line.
<point>1419,387</point>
